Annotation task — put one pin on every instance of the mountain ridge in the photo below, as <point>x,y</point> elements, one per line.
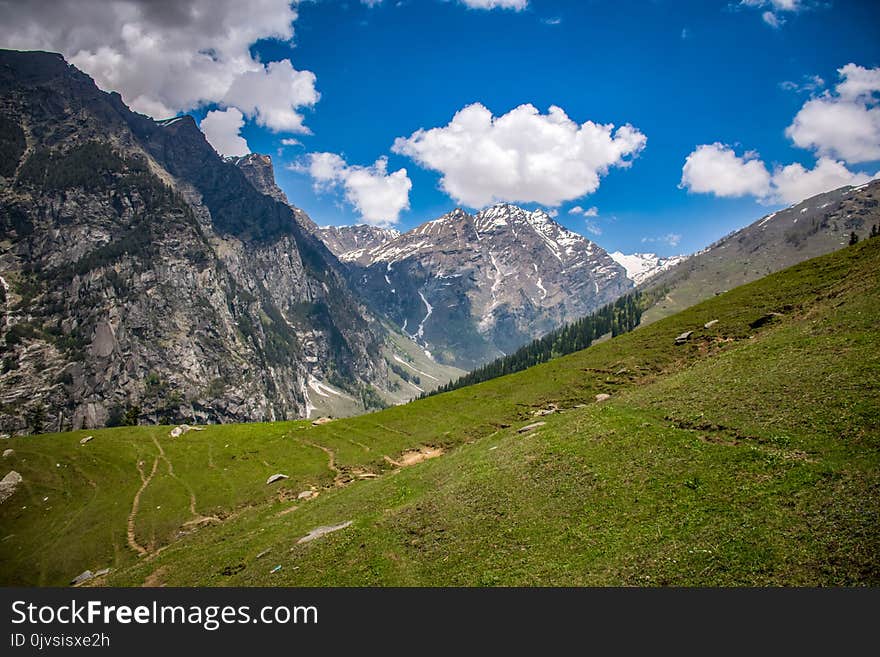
<point>470,287</point>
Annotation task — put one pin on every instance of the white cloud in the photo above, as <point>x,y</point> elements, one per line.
<point>290,141</point>
<point>777,5</point>
<point>810,84</point>
<point>844,124</point>
<point>772,19</point>
<point>592,227</point>
<point>379,197</point>
<point>774,8</point>
<point>223,131</point>
<point>168,56</point>
<point>717,169</point>
<point>516,5</point>
<point>555,20</point>
<point>589,212</point>
<point>552,212</point>
<point>522,156</point>
<point>268,95</point>
<point>794,183</point>
<point>859,83</point>
<point>672,239</point>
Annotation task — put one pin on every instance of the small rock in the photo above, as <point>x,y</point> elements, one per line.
<point>529,427</point>
<point>318,532</point>
<point>263,554</point>
<point>322,420</point>
<point>178,431</point>
<point>544,411</point>
<point>710,324</point>
<point>276,477</point>
<point>8,485</point>
<point>602,396</point>
<point>276,569</point>
<point>102,572</point>
<point>8,452</point>
<point>307,495</point>
<point>684,337</point>
<point>85,440</point>
<point>622,370</point>
<point>4,436</point>
<point>84,576</point>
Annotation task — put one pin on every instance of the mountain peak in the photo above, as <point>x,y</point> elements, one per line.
<point>260,173</point>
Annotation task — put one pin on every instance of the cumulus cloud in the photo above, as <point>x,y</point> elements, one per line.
<point>379,197</point>
<point>268,95</point>
<point>168,56</point>
<point>290,141</point>
<point>589,212</point>
<point>717,169</point>
<point>223,131</point>
<point>844,124</point>
<point>794,183</point>
<point>522,156</point>
<point>516,5</point>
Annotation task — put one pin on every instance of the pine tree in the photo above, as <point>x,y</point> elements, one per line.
<point>853,238</point>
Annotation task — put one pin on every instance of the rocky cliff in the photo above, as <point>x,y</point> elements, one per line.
<point>145,279</point>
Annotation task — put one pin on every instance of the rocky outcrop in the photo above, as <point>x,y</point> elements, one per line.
<point>145,279</point>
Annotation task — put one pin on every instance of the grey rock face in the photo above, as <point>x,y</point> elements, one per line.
<point>145,279</point>
<point>8,485</point>
<point>260,173</point>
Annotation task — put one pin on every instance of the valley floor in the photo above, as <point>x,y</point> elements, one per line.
<point>750,455</point>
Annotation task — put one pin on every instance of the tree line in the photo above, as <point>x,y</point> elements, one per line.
<point>615,318</point>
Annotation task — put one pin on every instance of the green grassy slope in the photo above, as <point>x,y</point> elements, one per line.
<point>746,456</point>
<point>815,226</point>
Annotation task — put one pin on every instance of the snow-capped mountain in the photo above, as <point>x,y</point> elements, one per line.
<point>642,266</point>
<point>351,242</point>
<point>472,287</point>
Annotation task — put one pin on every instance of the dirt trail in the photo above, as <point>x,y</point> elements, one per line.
<point>413,456</point>
<point>339,478</point>
<point>136,505</point>
<point>198,518</point>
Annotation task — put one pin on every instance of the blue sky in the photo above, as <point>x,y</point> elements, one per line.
<point>682,73</point>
